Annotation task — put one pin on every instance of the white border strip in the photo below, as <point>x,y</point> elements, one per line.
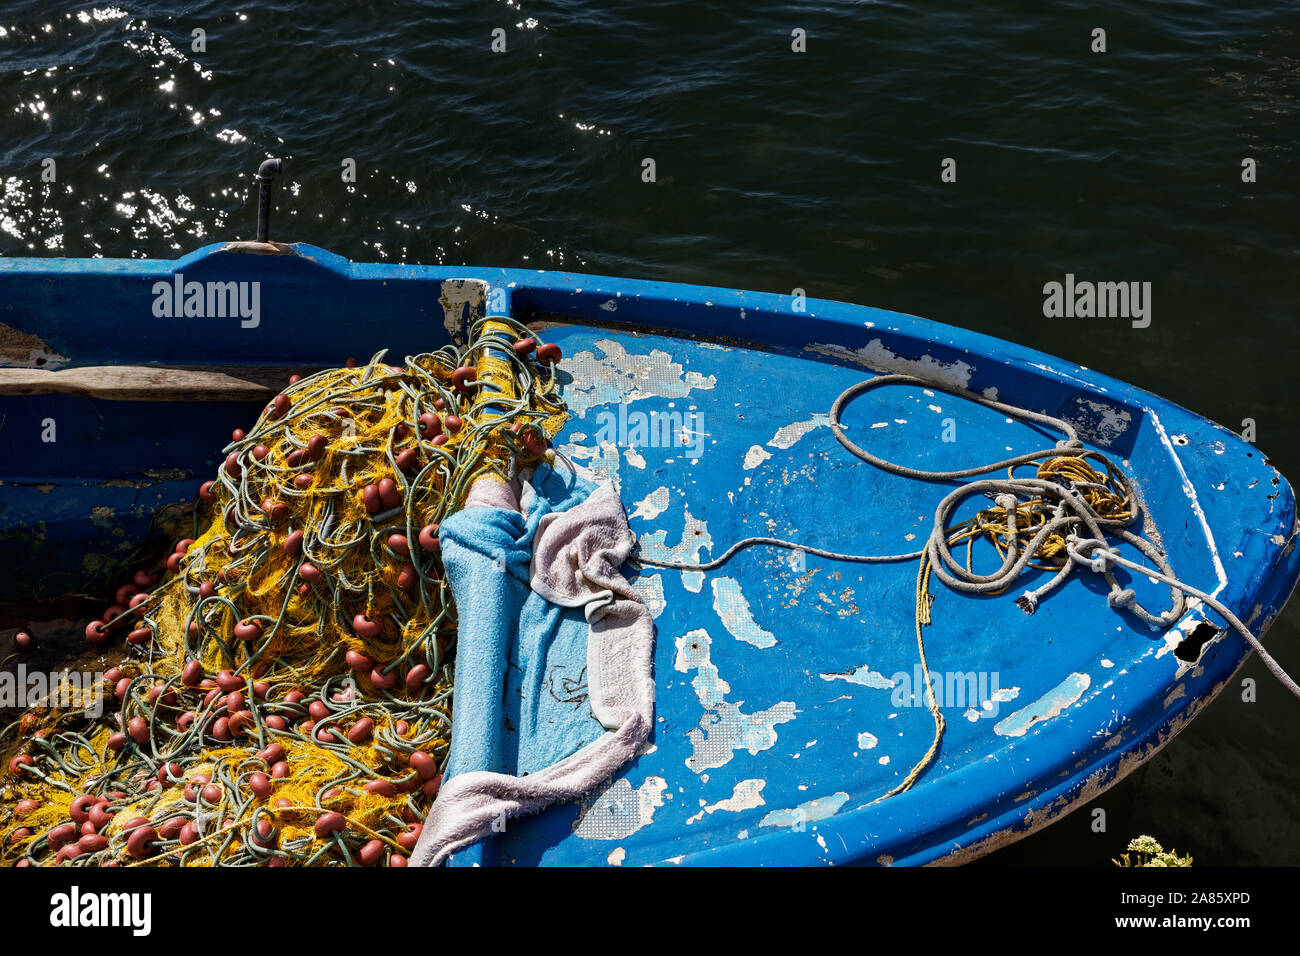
<point>1190,491</point>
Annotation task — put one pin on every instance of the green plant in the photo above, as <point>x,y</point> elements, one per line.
<point>1147,851</point>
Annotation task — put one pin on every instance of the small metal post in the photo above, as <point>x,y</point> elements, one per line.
<point>265,174</point>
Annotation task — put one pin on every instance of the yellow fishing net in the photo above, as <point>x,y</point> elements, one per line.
<point>287,693</point>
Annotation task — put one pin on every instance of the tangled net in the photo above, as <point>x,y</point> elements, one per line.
<point>287,693</point>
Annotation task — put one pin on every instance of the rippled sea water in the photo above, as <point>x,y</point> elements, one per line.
<point>775,170</point>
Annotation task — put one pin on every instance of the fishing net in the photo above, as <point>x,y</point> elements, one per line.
<point>286,697</point>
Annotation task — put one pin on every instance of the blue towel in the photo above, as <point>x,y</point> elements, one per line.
<point>554,687</point>
<point>512,638</point>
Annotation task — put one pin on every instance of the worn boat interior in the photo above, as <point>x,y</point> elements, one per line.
<point>784,681</point>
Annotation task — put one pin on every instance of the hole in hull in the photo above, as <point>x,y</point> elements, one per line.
<point>1190,647</point>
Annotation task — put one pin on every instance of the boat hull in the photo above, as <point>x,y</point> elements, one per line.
<point>786,684</point>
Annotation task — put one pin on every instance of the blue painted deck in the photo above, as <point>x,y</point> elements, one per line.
<point>778,718</point>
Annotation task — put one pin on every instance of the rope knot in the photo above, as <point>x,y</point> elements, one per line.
<point>1118,599</point>
<point>1101,561</point>
<point>1091,553</point>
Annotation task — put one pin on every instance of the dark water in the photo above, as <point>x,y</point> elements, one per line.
<point>775,170</point>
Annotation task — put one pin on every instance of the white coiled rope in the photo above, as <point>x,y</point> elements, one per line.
<point>1066,510</point>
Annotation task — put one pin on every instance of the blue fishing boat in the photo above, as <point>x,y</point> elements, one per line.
<point>812,705</point>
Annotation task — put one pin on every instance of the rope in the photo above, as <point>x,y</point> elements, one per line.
<point>775,543</point>
<point>1066,495</point>
<point>853,391</point>
<point>1096,550</point>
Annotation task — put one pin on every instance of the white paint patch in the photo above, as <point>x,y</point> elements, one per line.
<point>867,741</point>
<point>989,707</point>
<point>456,294</point>
<point>653,504</point>
<point>864,676</point>
<point>651,589</point>
<point>619,811</point>
<point>755,457</point>
<point>787,435</point>
<point>875,355</point>
<point>808,812</point>
<point>622,376</point>
<point>24,349</point>
<point>737,616</point>
<point>1099,423</point>
<point>1063,695</point>
<point>602,460</point>
<point>616,856</point>
<point>695,536</point>
<point>746,795</point>
<point>723,728</point>
<point>634,458</point>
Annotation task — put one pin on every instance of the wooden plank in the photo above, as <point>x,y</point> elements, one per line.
<point>154,383</point>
